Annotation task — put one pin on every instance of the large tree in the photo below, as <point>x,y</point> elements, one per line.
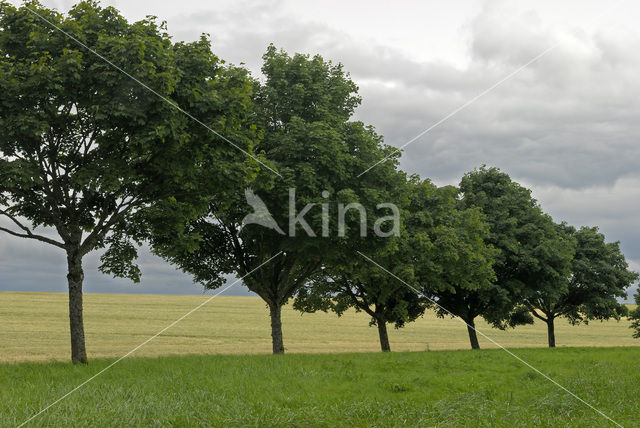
<point>440,248</point>
<point>84,148</point>
<point>531,253</point>
<point>302,115</point>
<point>599,276</point>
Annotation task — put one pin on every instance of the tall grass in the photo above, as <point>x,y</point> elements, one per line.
<point>445,389</point>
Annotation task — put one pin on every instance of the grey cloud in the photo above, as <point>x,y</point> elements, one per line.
<point>567,125</point>
<point>613,209</point>
<point>568,120</point>
<point>575,106</point>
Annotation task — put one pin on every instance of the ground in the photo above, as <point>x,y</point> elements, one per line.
<point>331,376</point>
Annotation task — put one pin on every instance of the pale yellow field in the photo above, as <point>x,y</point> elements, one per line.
<point>34,326</point>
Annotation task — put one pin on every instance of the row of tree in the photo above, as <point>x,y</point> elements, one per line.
<point>105,162</point>
<point>486,250</point>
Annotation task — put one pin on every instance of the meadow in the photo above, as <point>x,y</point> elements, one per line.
<point>485,388</point>
<point>332,375</point>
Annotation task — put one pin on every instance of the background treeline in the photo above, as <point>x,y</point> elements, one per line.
<point>164,152</point>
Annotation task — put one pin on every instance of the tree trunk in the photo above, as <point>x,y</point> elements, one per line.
<point>75,278</point>
<point>384,337</point>
<point>275,311</point>
<point>551,333</point>
<point>473,337</point>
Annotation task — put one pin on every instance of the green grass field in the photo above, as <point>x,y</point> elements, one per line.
<point>331,376</point>
<point>485,388</point>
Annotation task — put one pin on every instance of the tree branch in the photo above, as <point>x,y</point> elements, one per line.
<point>362,304</point>
<point>27,232</point>
<point>540,317</point>
<point>104,226</point>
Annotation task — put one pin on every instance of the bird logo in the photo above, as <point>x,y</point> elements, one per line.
<point>260,215</point>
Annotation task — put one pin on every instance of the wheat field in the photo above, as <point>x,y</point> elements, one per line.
<point>35,328</point>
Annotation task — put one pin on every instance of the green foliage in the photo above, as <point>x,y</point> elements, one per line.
<point>528,251</point>
<point>119,258</point>
<point>84,147</point>
<point>107,163</point>
<point>634,316</point>
<point>440,249</point>
<point>546,269</point>
<point>446,241</point>
<point>302,114</point>
<point>94,154</point>
<point>599,277</point>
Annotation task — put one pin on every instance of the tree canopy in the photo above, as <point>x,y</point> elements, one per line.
<point>440,249</point>
<point>114,134</point>
<point>634,316</point>
<point>526,251</point>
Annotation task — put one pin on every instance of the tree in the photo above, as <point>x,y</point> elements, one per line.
<point>530,252</point>
<point>440,248</point>
<point>302,115</point>
<point>361,285</point>
<point>599,276</point>
<point>460,263</point>
<point>85,149</point>
<point>349,281</point>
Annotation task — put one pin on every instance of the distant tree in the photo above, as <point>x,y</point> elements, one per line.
<point>599,276</point>
<point>530,255</point>
<point>361,285</point>
<point>302,115</point>
<point>84,149</point>
<point>440,248</point>
<point>462,259</point>
<point>349,281</point>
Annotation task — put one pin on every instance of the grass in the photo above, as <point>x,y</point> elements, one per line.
<point>35,328</point>
<point>162,385</point>
<point>486,388</point>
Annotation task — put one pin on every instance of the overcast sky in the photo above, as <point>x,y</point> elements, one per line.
<point>566,126</point>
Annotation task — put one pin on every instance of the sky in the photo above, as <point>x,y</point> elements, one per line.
<point>566,125</point>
